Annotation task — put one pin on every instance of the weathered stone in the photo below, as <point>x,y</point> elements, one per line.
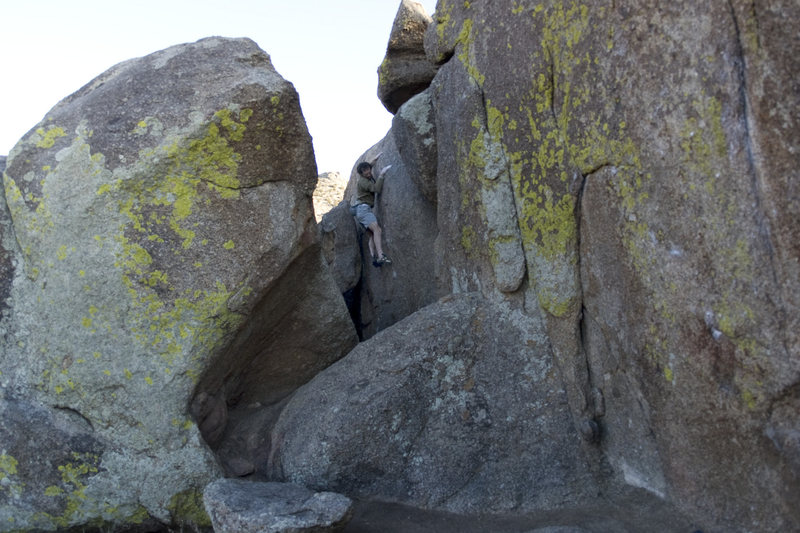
<point>405,70</point>
<point>299,327</point>
<point>9,253</point>
<point>158,211</point>
<point>340,246</point>
<point>653,178</point>
<point>414,130</point>
<point>34,436</point>
<point>237,506</point>
<point>408,222</point>
<point>458,407</point>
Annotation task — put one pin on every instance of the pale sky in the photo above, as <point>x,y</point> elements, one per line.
<point>329,49</point>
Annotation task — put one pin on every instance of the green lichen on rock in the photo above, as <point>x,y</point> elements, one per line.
<point>159,215</point>
<point>187,508</point>
<point>71,492</point>
<point>8,476</point>
<point>47,138</point>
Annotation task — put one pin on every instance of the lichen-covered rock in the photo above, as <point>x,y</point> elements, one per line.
<point>9,253</point>
<point>405,70</point>
<point>414,130</point>
<point>629,173</point>
<point>157,211</point>
<point>640,162</point>
<point>237,506</point>
<point>458,407</point>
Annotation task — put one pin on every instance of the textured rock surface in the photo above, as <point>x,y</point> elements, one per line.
<point>8,251</point>
<point>457,407</point>
<point>328,193</point>
<point>156,210</point>
<point>405,70</point>
<point>629,141</point>
<point>341,246</point>
<point>629,172</point>
<point>408,221</point>
<point>414,131</point>
<point>237,506</point>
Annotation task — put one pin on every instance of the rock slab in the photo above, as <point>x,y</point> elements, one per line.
<point>151,217</point>
<point>237,506</point>
<point>456,408</point>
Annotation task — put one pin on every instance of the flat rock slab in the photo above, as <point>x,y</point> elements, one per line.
<point>238,506</point>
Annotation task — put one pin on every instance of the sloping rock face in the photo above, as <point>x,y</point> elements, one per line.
<point>405,70</point>
<point>628,172</point>
<point>406,212</point>
<point>457,407</point>
<point>154,214</point>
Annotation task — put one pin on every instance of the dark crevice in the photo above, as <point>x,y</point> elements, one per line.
<point>594,170</point>
<point>75,415</point>
<point>581,318</point>
<point>241,187</point>
<point>447,56</point>
<point>552,81</point>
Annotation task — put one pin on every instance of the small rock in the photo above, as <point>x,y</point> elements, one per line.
<point>238,506</point>
<point>405,70</point>
<point>590,431</point>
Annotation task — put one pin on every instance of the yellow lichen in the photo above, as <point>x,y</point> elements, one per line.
<point>46,139</point>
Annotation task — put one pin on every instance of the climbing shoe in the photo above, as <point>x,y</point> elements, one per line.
<point>384,260</point>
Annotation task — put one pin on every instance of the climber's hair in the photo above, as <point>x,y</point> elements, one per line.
<point>362,167</point>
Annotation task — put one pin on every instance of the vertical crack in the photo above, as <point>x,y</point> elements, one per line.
<point>761,218</point>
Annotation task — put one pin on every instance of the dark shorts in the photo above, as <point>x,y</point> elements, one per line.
<point>363,214</point>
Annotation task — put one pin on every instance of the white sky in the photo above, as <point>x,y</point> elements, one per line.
<point>329,49</point>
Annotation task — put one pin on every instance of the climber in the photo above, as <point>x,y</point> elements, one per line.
<point>361,207</point>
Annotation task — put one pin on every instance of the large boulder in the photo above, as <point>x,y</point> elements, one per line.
<point>631,172</point>
<point>629,175</point>
<point>155,215</point>
<point>458,407</point>
<point>405,70</point>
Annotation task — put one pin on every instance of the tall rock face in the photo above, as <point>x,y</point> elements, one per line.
<point>628,173</point>
<point>406,212</point>
<point>627,142</point>
<point>153,230</point>
<point>405,71</point>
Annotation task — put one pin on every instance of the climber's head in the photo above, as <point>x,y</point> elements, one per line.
<point>363,167</point>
